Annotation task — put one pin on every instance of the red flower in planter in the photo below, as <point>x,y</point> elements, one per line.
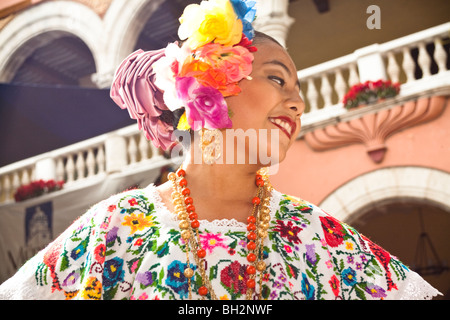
<point>36,189</point>
<point>370,91</point>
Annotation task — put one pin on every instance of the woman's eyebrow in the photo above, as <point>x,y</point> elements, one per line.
<point>279,63</point>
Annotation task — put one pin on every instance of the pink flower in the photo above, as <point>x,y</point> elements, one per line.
<point>210,241</point>
<point>205,106</point>
<point>134,266</point>
<point>133,89</point>
<point>235,62</point>
<point>143,296</point>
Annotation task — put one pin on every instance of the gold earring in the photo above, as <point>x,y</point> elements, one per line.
<point>211,145</point>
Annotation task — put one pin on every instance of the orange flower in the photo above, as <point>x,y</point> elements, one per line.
<point>208,76</point>
<point>137,222</point>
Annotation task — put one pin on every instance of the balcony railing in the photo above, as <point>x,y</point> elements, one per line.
<point>120,151</point>
<point>418,61</point>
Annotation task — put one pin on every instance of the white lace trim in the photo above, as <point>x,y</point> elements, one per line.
<point>416,288</point>
<point>217,224</point>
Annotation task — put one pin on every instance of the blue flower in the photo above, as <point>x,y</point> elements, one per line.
<point>113,272</point>
<point>79,250</point>
<point>307,289</point>
<point>349,276</point>
<point>176,279</point>
<point>246,11</point>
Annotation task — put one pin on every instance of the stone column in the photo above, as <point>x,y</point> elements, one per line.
<point>272,18</point>
<point>103,80</point>
<point>45,169</point>
<point>115,153</point>
<point>370,64</point>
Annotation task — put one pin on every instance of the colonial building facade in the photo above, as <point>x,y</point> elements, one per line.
<point>383,167</point>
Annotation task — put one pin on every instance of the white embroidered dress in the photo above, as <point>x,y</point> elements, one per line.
<point>129,247</point>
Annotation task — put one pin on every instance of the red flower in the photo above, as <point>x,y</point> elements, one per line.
<point>245,42</point>
<point>334,283</point>
<point>333,230</point>
<point>99,253</point>
<point>132,202</point>
<point>288,231</point>
<point>369,91</point>
<point>36,189</point>
<point>235,277</point>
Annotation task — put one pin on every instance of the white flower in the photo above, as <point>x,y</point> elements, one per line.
<point>165,69</point>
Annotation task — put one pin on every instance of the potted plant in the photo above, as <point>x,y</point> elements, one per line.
<point>370,92</point>
<point>36,189</point>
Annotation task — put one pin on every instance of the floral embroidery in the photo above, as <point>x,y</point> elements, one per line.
<point>334,283</point>
<point>176,279</point>
<point>234,278</point>
<point>92,290</point>
<point>333,231</point>
<point>288,231</point>
<point>129,247</point>
<point>209,241</point>
<point>137,222</point>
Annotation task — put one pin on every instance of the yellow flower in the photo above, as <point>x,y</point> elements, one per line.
<point>183,123</point>
<point>349,246</point>
<point>92,289</point>
<point>137,222</point>
<point>211,21</point>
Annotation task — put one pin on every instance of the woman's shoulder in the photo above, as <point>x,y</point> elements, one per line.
<point>359,260</point>
<point>124,201</point>
<point>295,206</point>
<point>128,205</point>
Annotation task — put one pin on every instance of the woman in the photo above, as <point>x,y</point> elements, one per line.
<point>216,229</point>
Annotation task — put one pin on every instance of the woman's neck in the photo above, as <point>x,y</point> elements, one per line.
<point>221,181</point>
<point>219,191</point>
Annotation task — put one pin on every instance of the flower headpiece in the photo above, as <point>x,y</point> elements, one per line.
<point>192,79</point>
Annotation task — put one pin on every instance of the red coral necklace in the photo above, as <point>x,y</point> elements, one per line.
<point>257,226</point>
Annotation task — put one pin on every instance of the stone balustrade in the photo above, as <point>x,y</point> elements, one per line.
<point>407,60</point>
<point>118,151</point>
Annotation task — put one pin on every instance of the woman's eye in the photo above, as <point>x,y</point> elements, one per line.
<point>278,80</point>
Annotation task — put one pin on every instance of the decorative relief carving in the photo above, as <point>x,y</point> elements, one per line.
<point>373,129</point>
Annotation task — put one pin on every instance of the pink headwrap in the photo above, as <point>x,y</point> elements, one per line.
<point>133,88</point>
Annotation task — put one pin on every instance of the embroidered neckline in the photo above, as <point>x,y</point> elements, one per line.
<point>220,224</point>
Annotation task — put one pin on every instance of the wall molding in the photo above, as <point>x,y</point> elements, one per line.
<point>373,129</point>
<point>388,184</point>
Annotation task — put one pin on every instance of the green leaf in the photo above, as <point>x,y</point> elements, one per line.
<point>360,290</point>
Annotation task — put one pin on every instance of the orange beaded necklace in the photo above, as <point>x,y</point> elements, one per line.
<point>257,226</point>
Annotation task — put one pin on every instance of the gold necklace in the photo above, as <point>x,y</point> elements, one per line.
<point>257,226</point>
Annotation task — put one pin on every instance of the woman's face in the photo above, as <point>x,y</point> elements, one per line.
<point>269,104</point>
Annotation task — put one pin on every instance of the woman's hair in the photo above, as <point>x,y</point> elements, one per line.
<point>261,37</point>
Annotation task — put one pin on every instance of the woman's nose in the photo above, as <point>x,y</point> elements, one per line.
<point>296,104</point>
